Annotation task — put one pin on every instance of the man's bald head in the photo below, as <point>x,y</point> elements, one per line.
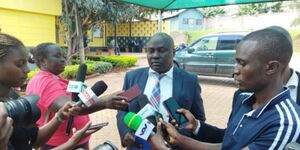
<point>164,37</point>
<point>160,52</point>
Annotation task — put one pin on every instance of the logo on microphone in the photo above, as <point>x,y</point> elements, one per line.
<point>144,129</point>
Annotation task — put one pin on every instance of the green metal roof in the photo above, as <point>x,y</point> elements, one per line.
<point>182,4</point>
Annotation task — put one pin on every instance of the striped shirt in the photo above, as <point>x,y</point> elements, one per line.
<point>271,126</point>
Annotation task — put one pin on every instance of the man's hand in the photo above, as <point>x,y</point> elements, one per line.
<point>157,141</point>
<point>68,109</point>
<point>77,137</point>
<point>6,127</point>
<point>129,141</point>
<point>192,120</point>
<point>81,134</point>
<point>172,132</point>
<point>116,102</point>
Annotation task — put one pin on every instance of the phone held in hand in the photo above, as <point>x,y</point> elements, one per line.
<point>172,106</point>
<point>97,126</point>
<point>131,93</point>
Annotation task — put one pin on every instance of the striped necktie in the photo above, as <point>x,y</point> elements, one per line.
<point>155,96</point>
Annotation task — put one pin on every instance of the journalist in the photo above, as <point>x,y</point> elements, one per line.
<point>266,116</point>
<point>13,73</point>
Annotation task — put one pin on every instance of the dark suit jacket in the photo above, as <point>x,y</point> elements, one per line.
<point>214,134</point>
<point>186,91</point>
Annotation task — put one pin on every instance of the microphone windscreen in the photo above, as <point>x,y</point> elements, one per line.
<point>99,88</point>
<point>81,73</point>
<point>133,120</point>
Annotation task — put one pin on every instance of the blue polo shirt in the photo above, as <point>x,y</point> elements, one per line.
<point>270,126</point>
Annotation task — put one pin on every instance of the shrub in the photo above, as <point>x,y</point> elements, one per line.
<point>31,74</point>
<point>102,67</point>
<point>116,61</point>
<point>70,71</point>
<point>195,35</point>
<point>96,66</point>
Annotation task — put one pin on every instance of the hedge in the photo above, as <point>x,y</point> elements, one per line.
<point>116,61</point>
<point>71,70</point>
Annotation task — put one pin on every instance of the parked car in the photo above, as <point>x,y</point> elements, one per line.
<point>212,54</point>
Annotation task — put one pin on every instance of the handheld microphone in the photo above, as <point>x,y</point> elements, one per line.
<point>143,127</point>
<point>89,96</point>
<point>79,77</point>
<point>147,111</point>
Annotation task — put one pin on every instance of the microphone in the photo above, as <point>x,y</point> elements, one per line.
<point>143,127</point>
<point>79,77</point>
<point>148,111</point>
<point>89,96</point>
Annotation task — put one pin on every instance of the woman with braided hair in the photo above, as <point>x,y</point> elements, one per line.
<point>13,73</point>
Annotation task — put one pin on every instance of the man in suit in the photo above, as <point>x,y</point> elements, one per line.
<point>174,82</point>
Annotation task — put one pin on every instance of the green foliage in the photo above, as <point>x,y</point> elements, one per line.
<point>194,35</point>
<point>259,8</point>
<point>70,71</point>
<point>31,74</point>
<point>295,34</point>
<point>116,61</point>
<point>210,12</point>
<point>102,67</point>
<point>80,16</point>
<point>296,5</point>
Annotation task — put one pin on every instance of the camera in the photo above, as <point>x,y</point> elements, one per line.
<point>23,111</point>
<point>106,146</point>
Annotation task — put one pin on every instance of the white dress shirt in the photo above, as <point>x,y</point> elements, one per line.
<point>166,89</point>
<point>292,84</point>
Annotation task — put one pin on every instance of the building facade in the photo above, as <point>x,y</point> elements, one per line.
<point>31,21</point>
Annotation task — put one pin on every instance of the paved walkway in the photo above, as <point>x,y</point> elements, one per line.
<point>216,93</point>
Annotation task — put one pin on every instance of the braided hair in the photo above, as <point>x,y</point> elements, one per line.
<point>8,44</point>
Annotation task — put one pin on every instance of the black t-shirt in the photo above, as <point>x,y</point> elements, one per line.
<point>23,138</point>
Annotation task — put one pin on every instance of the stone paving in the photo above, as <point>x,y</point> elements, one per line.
<point>216,92</point>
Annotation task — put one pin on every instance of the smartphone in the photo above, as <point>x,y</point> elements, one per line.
<point>97,126</point>
<point>131,93</point>
<point>157,116</point>
<point>172,106</point>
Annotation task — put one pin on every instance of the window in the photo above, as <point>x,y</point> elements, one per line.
<point>206,43</point>
<point>228,42</point>
<point>185,21</point>
<point>97,31</point>
<point>198,22</point>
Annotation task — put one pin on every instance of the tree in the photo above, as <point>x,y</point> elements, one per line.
<point>79,16</point>
<point>296,5</point>
<point>210,12</point>
<point>259,8</point>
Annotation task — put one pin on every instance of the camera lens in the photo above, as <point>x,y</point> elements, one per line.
<point>106,146</point>
<point>24,110</point>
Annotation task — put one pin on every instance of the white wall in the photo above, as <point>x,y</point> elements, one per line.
<point>252,22</point>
